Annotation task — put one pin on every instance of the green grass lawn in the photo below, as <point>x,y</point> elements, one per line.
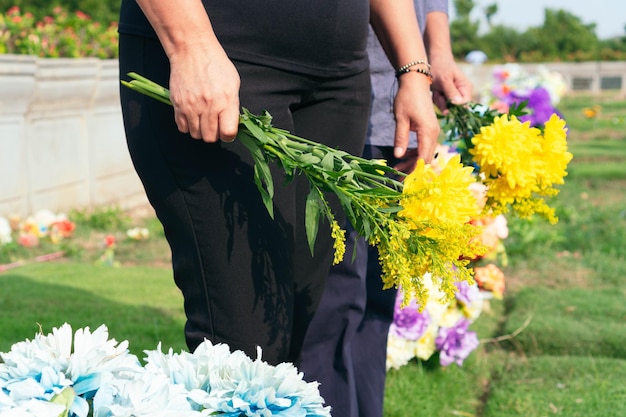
<point>565,296</point>
<point>138,304</point>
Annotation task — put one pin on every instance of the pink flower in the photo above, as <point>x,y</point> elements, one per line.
<point>28,240</point>
<point>64,228</point>
<point>82,15</point>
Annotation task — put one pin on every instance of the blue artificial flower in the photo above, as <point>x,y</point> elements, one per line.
<point>44,367</point>
<point>232,384</point>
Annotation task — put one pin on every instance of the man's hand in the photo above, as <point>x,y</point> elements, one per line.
<point>413,109</point>
<point>449,83</point>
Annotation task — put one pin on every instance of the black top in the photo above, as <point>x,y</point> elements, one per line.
<point>315,37</point>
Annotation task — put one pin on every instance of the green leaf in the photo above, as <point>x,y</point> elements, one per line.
<point>65,398</point>
<point>308,159</point>
<point>366,227</point>
<point>328,162</point>
<point>265,195</point>
<point>347,176</point>
<point>255,130</point>
<point>390,210</point>
<point>313,212</point>
<point>262,174</point>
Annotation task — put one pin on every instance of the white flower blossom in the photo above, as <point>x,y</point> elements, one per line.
<point>42,368</point>
<point>399,351</point>
<point>223,382</point>
<point>149,395</point>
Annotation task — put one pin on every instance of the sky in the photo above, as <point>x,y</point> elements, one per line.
<point>608,15</point>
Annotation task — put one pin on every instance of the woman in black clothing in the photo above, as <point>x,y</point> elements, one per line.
<point>249,280</point>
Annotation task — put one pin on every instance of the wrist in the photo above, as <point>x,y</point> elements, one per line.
<point>424,72</point>
<point>421,65</point>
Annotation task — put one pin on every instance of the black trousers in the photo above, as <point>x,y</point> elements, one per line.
<point>247,280</point>
<point>345,348</point>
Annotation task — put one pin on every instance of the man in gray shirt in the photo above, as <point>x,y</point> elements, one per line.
<point>345,346</point>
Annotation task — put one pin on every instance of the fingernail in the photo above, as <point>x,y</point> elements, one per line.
<point>398,151</point>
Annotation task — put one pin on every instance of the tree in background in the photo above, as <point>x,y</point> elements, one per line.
<point>503,43</point>
<point>563,37</point>
<point>490,11</point>
<point>464,30</point>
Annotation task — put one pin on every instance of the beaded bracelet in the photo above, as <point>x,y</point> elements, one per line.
<point>420,70</point>
<point>414,63</point>
<point>403,69</point>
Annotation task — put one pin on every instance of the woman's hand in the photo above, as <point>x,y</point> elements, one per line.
<point>204,84</point>
<point>204,90</point>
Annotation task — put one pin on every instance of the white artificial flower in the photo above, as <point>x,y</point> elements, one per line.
<point>553,82</point>
<point>435,306</point>
<point>220,382</point>
<point>191,370</point>
<point>425,347</point>
<point>33,408</point>
<point>149,395</point>
<point>256,389</point>
<point>450,316</point>
<point>44,218</point>
<point>43,367</point>
<point>399,351</point>
<point>95,353</point>
<point>138,233</point>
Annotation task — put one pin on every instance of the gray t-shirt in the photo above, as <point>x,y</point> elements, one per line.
<point>382,124</point>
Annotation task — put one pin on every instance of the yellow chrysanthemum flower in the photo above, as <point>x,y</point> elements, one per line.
<point>521,165</point>
<point>554,154</point>
<point>508,148</point>
<point>439,198</point>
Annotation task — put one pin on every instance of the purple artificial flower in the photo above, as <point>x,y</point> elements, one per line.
<point>539,104</point>
<point>408,322</point>
<point>466,294</point>
<point>455,343</point>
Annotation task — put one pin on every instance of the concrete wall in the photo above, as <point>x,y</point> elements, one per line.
<point>584,77</point>
<point>62,143</point>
